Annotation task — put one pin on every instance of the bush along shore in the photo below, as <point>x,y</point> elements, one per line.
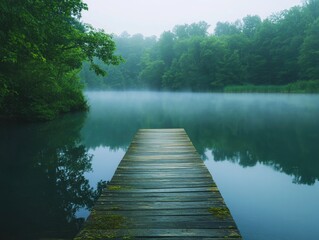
<point>296,87</point>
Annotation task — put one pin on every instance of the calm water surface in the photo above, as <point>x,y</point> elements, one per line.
<point>262,150</point>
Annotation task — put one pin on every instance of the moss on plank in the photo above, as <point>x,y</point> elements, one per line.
<point>103,226</point>
<point>105,221</point>
<point>99,235</point>
<point>220,212</point>
<point>117,187</point>
<point>233,235</point>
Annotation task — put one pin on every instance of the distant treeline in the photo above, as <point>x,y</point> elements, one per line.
<point>280,50</point>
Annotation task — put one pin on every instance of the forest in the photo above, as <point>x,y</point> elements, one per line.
<point>277,54</point>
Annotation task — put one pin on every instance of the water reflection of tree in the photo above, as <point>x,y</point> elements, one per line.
<point>287,144</point>
<point>42,169</point>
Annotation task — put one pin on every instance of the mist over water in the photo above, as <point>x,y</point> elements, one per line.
<point>262,150</point>
<point>243,128</point>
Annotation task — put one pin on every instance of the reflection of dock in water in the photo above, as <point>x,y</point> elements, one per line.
<point>161,190</point>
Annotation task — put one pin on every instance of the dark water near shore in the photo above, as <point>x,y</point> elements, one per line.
<point>262,150</point>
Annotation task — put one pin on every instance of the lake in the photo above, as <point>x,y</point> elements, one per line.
<point>262,150</point>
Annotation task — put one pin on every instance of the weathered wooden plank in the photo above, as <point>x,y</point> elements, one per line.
<point>148,176</point>
<point>165,176</point>
<point>159,182</point>
<point>183,195</point>
<point>128,199</point>
<point>161,212</point>
<point>161,190</point>
<point>164,190</point>
<point>189,238</point>
<point>172,186</point>
<point>140,162</point>
<point>173,222</point>
<point>147,233</point>
<point>163,170</point>
<point>157,205</point>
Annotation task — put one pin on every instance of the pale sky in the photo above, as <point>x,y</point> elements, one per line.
<point>152,17</point>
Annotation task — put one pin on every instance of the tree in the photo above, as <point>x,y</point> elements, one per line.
<point>195,29</point>
<point>251,25</point>
<point>309,54</point>
<point>151,76</point>
<point>312,9</point>
<point>166,43</point>
<point>42,46</point>
<point>227,28</point>
<point>213,51</point>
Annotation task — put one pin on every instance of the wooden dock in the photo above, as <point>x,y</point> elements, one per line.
<point>160,190</point>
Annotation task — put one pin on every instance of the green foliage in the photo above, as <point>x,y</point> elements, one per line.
<point>42,46</point>
<point>3,89</point>
<point>296,87</point>
<point>303,87</point>
<point>226,28</point>
<point>251,25</point>
<point>309,54</point>
<point>253,89</point>
<point>151,76</point>
<point>192,30</point>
